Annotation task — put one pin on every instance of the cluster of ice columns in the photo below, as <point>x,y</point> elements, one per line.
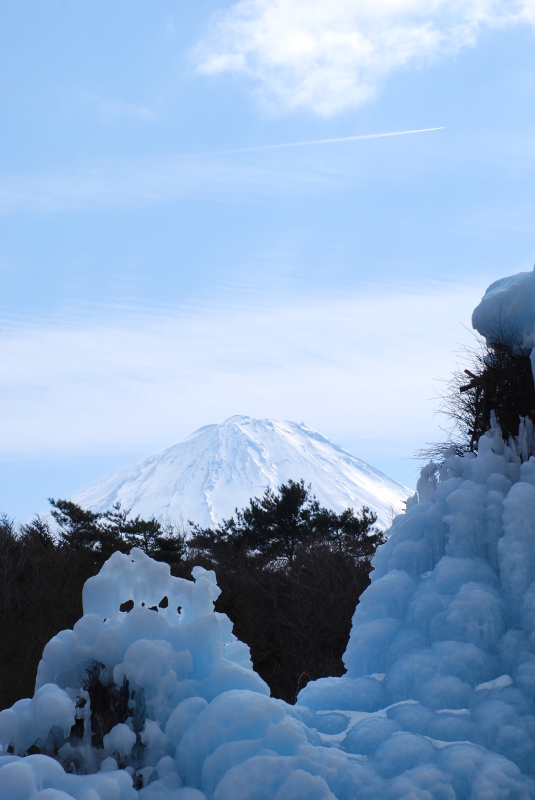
<point>438,701</point>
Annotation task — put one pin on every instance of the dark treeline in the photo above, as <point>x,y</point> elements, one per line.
<point>290,571</point>
<point>291,574</point>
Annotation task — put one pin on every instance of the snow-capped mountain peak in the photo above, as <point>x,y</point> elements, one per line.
<point>219,468</point>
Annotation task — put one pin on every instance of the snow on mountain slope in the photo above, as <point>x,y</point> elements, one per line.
<point>220,467</point>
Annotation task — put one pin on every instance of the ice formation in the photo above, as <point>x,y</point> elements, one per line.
<point>438,701</point>
<point>508,306</point>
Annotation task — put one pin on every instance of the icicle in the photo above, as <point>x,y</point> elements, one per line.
<point>427,483</point>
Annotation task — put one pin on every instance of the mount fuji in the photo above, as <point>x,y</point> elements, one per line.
<point>221,467</point>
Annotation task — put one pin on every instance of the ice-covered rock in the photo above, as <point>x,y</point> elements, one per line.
<point>508,309</point>
<point>508,306</point>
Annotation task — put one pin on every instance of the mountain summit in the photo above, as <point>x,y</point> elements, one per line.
<point>221,467</point>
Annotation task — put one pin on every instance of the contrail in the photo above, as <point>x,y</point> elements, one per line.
<point>325,141</point>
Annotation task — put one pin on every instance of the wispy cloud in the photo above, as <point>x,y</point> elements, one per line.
<point>120,108</point>
<point>170,26</point>
<point>110,108</point>
<point>134,183</point>
<point>329,57</point>
<point>139,379</point>
<point>152,180</point>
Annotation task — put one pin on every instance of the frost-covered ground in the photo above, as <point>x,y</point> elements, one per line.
<point>438,701</point>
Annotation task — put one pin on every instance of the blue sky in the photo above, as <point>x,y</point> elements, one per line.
<point>151,282</point>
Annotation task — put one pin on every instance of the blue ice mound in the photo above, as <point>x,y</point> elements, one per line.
<point>446,631</point>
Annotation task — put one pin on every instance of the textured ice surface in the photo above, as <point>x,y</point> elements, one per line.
<point>449,618</point>
<point>220,467</point>
<point>509,306</point>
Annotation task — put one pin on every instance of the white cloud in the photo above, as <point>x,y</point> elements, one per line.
<point>361,366</point>
<point>335,55</point>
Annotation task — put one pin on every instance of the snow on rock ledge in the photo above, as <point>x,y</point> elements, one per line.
<point>508,306</point>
